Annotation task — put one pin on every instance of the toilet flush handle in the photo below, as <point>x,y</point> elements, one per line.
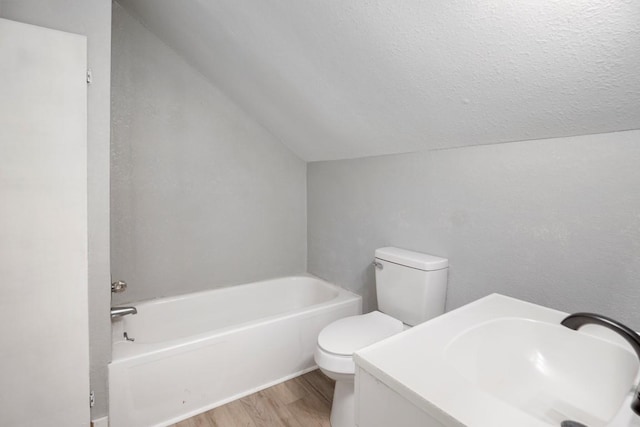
<point>377,265</point>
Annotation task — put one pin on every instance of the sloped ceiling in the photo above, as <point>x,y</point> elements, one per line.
<point>348,78</point>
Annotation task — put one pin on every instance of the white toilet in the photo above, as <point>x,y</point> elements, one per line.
<point>411,289</point>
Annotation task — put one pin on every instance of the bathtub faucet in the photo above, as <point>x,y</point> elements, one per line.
<point>122,311</point>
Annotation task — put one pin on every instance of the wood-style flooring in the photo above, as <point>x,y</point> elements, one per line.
<point>304,401</point>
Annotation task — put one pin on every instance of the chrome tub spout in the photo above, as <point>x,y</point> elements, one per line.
<point>122,311</point>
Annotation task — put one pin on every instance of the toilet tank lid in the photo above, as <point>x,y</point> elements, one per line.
<point>411,259</point>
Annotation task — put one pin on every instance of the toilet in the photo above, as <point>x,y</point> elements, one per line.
<point>411,289</point>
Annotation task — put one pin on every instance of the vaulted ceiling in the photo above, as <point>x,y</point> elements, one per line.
<point>349,78</point>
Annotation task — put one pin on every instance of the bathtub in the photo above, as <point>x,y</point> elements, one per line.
<point>197,351</point>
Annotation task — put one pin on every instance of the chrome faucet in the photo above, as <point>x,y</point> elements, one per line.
<point>577,320</point>
<point>122,311</point>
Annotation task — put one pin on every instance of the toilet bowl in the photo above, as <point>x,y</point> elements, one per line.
<point>334,356</point>
<point>411,289</point>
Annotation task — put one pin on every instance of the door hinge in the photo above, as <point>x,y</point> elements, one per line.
<point>89,76</point>
<point>92,399</point>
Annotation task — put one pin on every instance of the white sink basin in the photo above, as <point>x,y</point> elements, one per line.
<point>501,362</point>
<point>546,370</point>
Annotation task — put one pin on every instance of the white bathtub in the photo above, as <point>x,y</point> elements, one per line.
<point>197,351</point>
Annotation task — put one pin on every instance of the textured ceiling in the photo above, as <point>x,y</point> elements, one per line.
<point>338,79</point>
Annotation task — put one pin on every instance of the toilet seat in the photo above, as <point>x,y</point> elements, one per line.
<point>339,340</point>
<point>348,335</point>
<point>334,362</point>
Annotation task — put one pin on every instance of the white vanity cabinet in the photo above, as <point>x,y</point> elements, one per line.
<point>377,405</point>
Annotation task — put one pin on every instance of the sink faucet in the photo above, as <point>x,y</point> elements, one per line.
<point>122,311</point>
<point>577,320</point>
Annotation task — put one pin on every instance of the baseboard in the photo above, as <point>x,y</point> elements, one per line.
<point>100,422</point>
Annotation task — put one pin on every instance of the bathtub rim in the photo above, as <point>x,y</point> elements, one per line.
<point>226,288</point>
<point>123,351</point>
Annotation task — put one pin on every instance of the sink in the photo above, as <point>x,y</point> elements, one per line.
<point>546,370</point>
<point>502,362</point>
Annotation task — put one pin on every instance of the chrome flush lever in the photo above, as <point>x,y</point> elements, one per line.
<point>377,265</point>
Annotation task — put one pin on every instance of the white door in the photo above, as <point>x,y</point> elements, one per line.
<point>44,342</point>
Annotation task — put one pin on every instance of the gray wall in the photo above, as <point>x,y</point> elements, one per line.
<point>202,196</point>
<point>91,18</point>
<point>555,222</point>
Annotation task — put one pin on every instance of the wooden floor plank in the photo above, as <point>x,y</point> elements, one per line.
<point>284,393</point>
<point>296,389</point>
<point>311,410</point>
<point>303,401</point>
<point>201,420</point>
<point>282,410</point>
<point>184,423</point>
<point>262,410</point>
<point>322,384</point>
<point>231,414</point>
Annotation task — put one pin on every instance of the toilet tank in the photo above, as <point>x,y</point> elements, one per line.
<point>410,286</point>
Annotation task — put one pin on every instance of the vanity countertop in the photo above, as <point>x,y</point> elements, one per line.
<point>417,365</point>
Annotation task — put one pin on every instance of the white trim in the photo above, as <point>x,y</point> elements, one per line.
<point>100,422</point>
